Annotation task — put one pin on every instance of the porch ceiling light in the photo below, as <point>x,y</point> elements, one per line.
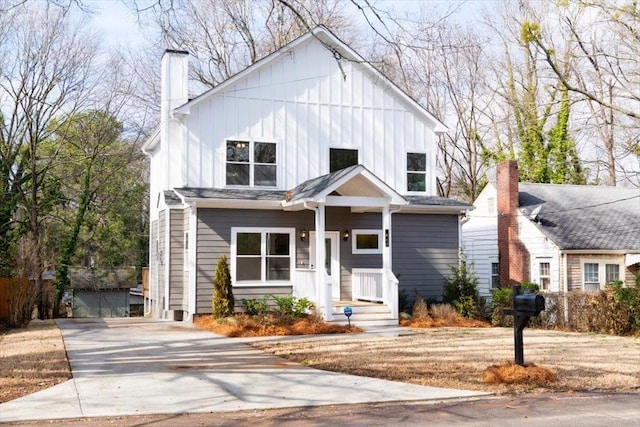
<point>345,235</point>
<point>303,234</point>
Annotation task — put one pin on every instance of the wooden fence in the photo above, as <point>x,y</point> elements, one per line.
<point>10,288</point>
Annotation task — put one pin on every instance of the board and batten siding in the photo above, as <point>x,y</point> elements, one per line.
<point>425,247</point>
<point>304,103</point>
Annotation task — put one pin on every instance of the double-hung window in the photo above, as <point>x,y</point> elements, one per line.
<point>544,274</point>
<point>251,163</point>
<point>262,255</point>
<point>598,273</point>
<point>416,172</point>
<point>495,275</point>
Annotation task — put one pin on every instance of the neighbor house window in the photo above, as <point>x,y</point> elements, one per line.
<point>416,172</point>
<point>612,272</point>
<point>544,275</point>
<point>495,275</point>
<point>251,163</point>
<point>262,255</point>
<point>598,273</point>
<point>366,242</point>
<point>340,158</point>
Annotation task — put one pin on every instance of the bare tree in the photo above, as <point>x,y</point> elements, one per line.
<point>46,70</point>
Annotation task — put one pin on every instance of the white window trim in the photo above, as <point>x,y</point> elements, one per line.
<point>602,272</point>
<point>543,260</point>
<point>252,162</point>
<point>263,252</point>
<point>355,233</point>
<point>491,275</point>
<point>407,171</point>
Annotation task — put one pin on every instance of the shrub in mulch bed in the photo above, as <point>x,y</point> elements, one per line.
<point>242,325</point>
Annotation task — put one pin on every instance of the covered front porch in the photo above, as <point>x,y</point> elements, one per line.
<point>373,290</point>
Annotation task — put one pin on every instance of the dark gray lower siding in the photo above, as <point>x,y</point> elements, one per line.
<point>425,247</point>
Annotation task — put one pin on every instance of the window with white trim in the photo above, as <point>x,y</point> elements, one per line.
<point>598,273</point>
<point>416,172</point>
<point>544,275</point>
<point>495,275</point>
<point>251,163</point>
<point>262,255</point>
<point>366,241</point>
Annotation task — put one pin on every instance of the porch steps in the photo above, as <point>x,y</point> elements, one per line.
<point>364,314</point>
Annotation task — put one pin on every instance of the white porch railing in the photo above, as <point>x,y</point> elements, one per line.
<point>304,284</point>
<point>366,284</point>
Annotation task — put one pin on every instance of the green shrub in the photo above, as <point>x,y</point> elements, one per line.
<point>461,291</point>
<point>502,298</point>
<point>529,287</point>
<point>223,301</point>
<point>290,306</point>
<point>255,307</point>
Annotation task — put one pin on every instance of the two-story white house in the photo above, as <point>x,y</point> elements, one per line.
<point>312,172</point>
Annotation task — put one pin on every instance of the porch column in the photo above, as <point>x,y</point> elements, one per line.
<point>386,239</point>
<point>324,294</point>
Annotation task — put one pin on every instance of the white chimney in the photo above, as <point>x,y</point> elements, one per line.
<point>174,87</point>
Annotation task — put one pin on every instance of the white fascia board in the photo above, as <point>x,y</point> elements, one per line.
<point>433,209</point>
<point>596,251</point>
<point>235,204</point>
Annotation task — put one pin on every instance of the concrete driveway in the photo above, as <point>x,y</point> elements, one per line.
<point>136,366</point>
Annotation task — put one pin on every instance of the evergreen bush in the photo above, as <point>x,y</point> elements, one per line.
<point>223,302</point>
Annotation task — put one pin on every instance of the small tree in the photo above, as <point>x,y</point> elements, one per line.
<point>223,301</point>
<point>461,291</point>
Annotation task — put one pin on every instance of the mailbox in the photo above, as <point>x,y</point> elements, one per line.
<point>528,304</point>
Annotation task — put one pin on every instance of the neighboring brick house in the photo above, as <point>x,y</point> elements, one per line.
<point>562,237</point>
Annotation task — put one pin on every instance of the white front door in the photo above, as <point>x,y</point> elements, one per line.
<point>332,260</point>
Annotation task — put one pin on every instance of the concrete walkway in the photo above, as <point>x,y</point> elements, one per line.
<point>138,366</point>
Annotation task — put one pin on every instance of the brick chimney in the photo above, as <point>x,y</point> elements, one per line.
<point>513,256</point>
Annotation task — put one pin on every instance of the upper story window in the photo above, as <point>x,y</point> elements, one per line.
<point>416,172</point>
<point>251,163</point>
<point>340,158</point>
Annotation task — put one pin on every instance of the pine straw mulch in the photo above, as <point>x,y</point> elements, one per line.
<point>31,359</point>
<point>242,325</point>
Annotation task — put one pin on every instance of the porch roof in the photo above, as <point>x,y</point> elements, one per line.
<point>355,181</point>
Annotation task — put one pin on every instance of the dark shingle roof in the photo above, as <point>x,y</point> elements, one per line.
<point>435,201</point>
<point>171,198</point>
<point>231,193</point>
<point>584,216</point>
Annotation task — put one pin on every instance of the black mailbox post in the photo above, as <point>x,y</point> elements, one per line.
<point>524,306</point>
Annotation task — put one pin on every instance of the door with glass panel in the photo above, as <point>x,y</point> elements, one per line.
<point>331,263</point>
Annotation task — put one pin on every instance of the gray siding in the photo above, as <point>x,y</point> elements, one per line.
<point>176,260</point>
<point>425,247</point>
<point>214,238</point>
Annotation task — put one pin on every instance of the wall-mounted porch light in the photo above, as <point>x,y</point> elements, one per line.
<point>345,235</point>
<point>303,234</point>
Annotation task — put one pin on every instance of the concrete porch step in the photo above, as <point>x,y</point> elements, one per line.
<point>364,314</point>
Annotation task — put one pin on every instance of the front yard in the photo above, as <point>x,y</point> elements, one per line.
<point>457,357</point>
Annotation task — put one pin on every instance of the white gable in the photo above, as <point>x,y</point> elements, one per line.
<point>307,102</point>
